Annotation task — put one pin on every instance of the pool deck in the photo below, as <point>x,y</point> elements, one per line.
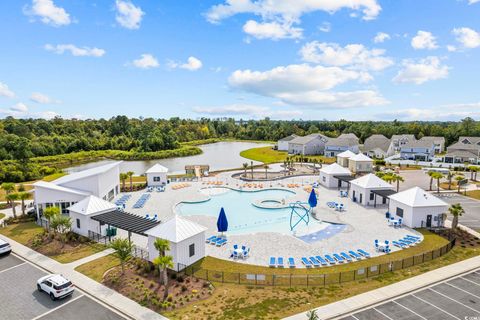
<point>363,224</point>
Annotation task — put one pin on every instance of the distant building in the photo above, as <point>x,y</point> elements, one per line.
<point>438,142</point>
<point>197,170</point>
<point>350,136</point>
<point>399,140</point>
<point>360,163</point>
<point>157,175</point>
<point>308,145</point>
<point>282,144</point>
<point>81,213</point>
<point>377,146</point>
<point>467,149</point>
<point>338,145</point>
<point>343,157</point>
<point>418,150</point>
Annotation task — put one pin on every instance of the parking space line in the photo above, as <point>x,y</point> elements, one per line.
<point>401,305</point>
<point>13,267</point>
<point>454,286</point>
<point>355,317</point>
<point>424,301</point>
<point>437,292</point>
<point>470,281</point>
<point>383,314</point>
<point>59,307</point>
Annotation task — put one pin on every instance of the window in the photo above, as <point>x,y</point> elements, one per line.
<point>399,212</point>
<point>324,179</point>
<point>191,250</point>
<point>78,223</point>
<point>156,179</point>
<point>372,196</point>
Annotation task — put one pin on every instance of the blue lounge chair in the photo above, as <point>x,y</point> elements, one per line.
<point>291,263</point>
<point>405,243</point>
<point>363,253</point>
<point>235,246</point>
<point>330,259</point>
<point>338,258</point>
<point>346,256</point>
<point>314,261</point>
<point>271,264</point>
<point>307,263</point>
<point>355,255</point>
<point>398,244</point>
<point>212,238</point>
<point>412,237</point>
<point>321,260</point>
<point>221,242</point>
<point>280,262</point>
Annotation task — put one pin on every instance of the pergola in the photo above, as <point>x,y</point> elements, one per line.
<point>384,193</point>
<point>345,179</point>
<point>126,221</point>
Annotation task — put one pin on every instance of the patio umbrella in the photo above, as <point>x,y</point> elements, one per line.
<point>222,223</point>
<point>312,200</point>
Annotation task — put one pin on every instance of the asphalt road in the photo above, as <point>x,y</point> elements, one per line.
<point>455,299</point>
<point>20,299</point>
<point>471,218</point>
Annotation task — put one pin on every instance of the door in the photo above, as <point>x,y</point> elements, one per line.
<point>354,196</point>
<point>339,183</point>
<point>429,221</point>
<point>361,196</point>
<point>384,200</point>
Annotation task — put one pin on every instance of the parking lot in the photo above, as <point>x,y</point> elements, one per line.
<point>20,299</point>
<point>458,298</point>
<point>471,218</point>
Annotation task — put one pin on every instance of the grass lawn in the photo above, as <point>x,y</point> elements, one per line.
<point>474,194</point>
<point>54,176</point>
<point>96,268</point>
<point>268,155</point>
<point>25,232</point>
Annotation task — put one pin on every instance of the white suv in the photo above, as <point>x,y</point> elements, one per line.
<point>5,247</point>
<point>56,286</point>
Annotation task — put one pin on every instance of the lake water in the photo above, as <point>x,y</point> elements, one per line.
<point>220,156</point>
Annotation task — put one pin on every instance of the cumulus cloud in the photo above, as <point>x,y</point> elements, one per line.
<point>42,98</point>
<point>424,40</point>
<point>271,30</point>
<point>128,15</point>
<point>74,50</point>
<point>452,112</point>
<point>192,64</point>
<point>20,110</point>
<point>146,61</point>
<point>5,91</point>
<point>356,56</point>
<point>381,37</point>
<point>325,27</point>
<point>421,71</point>
<point>281,14</point>
<point>48,13</point>
<point>473,1</point>
<point>247,110</point>
<point>20,107</point>
<point>467,37</point>
<point>305,85</point>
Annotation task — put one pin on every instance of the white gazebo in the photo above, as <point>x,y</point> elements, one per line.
<point>82,211</point>
<point>157,175</point>
<point>418,208</point>
<point>187,241</point>
<point>342,158</point>
<point>364,189</point>
<point>360,163</point>
<point>329,175</point>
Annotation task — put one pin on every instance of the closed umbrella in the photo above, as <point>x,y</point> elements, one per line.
<point>312,200</point>
<point>222,223</point>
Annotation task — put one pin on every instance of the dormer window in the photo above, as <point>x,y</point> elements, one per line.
<point>466,141</point>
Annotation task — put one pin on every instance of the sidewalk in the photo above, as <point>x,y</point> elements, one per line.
<point>106,295</point>
<point>383,294</point>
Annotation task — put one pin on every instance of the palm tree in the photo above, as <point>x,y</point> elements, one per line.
<point>312,315</point>
<point>458,179</point>
<point>245,167</point>
<point>11,197</point>
<point>397,178</point>
<point>8,187</point>
<point>162,246</point>
<point>130,175</point>
<point>162,263</point>
<point>456,210</point>
<point>437,176</point>
<point>123,250</point>
<point>265,166</point>
<point>449,177</point>
<point>61,224</point>
<point>251,168</point>
<point>50,213</point>
<point>285,167</point>
<point>23,196</point>
<point>123,177</point>
<point>430,173</point>
<point>473,172</point>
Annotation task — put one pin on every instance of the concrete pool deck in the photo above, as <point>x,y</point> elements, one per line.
<point>362,224</point>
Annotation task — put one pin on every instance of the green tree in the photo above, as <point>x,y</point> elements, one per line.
<point>265,166</point>
<point>437,176</point>
<point>162,246</point>
<point>11,198</point>
<point>51,212</point>
<point>23,196</point>
<point>397,179</point>
<point>245,167</point>
<point>430,173</point>
<point>130,175</point>
<point>456,210</point>
<point>458,179</point>
<point>8,187</point>
<point>251,168</point>
<point>123,177</point>
<point>312,315</point>
<point>473,172</point>
<point>123,251</point>
<point>162,263</point>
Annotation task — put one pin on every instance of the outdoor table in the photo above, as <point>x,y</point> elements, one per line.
<point>382,246</point>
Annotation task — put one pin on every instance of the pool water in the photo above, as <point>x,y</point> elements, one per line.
<point>243,217</point>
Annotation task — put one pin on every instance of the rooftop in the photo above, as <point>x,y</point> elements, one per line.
<point>417,197</point>
<point>52,186</point>
<point>91,205</point>
<point>343,142</point>
<point>377,141</point>
<point>346,154</point>
<point>289,138</point>
<point>335,168</point>
<point>371,181</point>
<point>157,168</point>
<point>176,229</point>
<point>86,173</point>
<point>360,157</point>
<point>307,139</point>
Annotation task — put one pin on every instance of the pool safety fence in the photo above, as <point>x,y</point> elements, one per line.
<point>312,279</point>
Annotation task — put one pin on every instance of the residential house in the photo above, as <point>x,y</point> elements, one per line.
<point>399,140</point>
<point>338,145</point>
<point>377,146</point>
<point>360,163</point>
<point>350,136</point>
<point>418,150</point>
<point>467,149</point>
<point>438,142</point>
<point>282,144</point>
<point>308,145</point>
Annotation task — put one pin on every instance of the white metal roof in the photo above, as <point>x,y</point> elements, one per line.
<point>346,154</point>
<point>335,169</point>
<point>91,205</point>
<point>371,181</point>
<point>52,186</point>
<point>176,230</point>
<point>417,197</point>
<point>86,173</point>
<point>360,157</point>
<point>157,168</point>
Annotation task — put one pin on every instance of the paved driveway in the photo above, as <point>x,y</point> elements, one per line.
<point>471,218</point>
<point>20,299</point>
<point>458,298</point>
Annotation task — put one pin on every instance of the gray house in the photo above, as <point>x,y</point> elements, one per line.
<point>418,150</point>
<point>399,140</point>
<point>439,143</point>
<point>308,145</point>
<point>467,149</point>
<point>338,145</point>
<point>377,146</point>
<point>282,144</point>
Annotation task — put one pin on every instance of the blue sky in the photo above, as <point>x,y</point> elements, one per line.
<point>289,59</point>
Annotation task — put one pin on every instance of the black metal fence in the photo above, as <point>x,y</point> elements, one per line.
<point>98,237</point>
<point>139,252</point>
<point>313,279</point>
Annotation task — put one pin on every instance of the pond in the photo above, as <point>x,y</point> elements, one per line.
<point>220,156</point>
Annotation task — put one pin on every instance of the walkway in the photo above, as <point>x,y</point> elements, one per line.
<point>106,295</point>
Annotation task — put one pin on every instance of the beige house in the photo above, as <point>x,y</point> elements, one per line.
<point>360,163</point>
<point>342,158</point>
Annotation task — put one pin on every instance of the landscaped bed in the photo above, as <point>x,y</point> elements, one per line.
<point>268,155</point>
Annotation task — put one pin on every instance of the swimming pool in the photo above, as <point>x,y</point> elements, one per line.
<point>243,217</point>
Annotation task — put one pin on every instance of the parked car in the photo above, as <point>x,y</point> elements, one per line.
<point>56,286</point>
<point>5,247</point>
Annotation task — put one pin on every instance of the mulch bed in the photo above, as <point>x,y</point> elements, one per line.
<point>463,238</point>
<point>51,246</point>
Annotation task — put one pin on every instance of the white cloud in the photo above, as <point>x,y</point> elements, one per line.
<point>20,110</point>
<point>20,107</point>
<point>247,110</point>
<point>128,15</point>
<point>42,98</point>
<point>271,30</point>
<point>356,56</point>
<point>305,85</point>
<point>422,71</point>
<point>48,13</point>
<point>451,112</point>
<point>192,64</point>
<point>5,91</point>
<point>424,40</point>
<point>74,50</point>
<point>325,27</point>
<point>469,38</point>
<point>278,16</point>
<point>473,1</point>
<point>381,37</point>
<point>146,61</point>
<point>451,48</point>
